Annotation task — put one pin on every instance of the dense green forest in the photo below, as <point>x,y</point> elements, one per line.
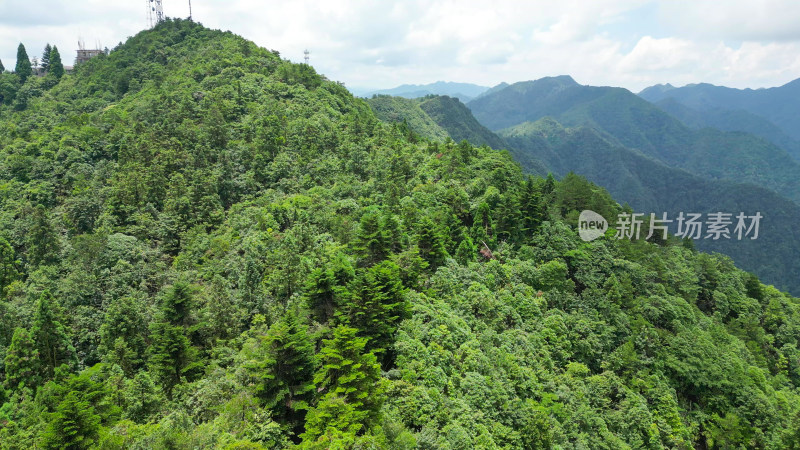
<point>654,162</point>
<point>650,185</point>
<point>631,176</point>
<point>205,246</point>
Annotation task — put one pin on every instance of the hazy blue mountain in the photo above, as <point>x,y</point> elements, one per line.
<point>462,91</point>
<point>732,120</point>
<point>779,105</point>
<point>649,185</point>
<point>635,123</point>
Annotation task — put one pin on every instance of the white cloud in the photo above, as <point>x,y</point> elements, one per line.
<point>368,43</point>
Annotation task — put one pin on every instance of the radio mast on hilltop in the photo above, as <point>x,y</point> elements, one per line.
<point>306,54</point>
<point>155,12</point>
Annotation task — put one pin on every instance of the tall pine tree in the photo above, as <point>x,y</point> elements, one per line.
<point>8,265</point>
<point>74,425</point>
<point>23,68</point>
<point>285,371</point>
<point>352,389</point>
<point>45,63</point>
<point>56,66</point>
<point>122,335</point>
<point>50,336</point>
<point>372,244</point>
<point>171,355</point>
<point>431,244</point>
<point>377,305</point>
<point>22,364</point>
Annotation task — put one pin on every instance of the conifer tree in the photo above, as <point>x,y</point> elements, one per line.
<point>466,251</point>
<point>2,67</point>
<point>170,354</point>
<point>141,397</point>
<point>320,294</point>
<point>286,371</point>
<point>177,303</point>
<point>45,63</point>
<point>74,425</point>
<point>377,305</point>
<point>42,240</point>
<point>483,230</point>
<point>23,68</point>
<point>8,265</point>
<point>122,335</point>
<point>371,242</point>
<point>531,208</point>
<point>55,64</point>
<point>22,365</point>
<point>431,244</point>
<point>51,338</point>
<point>508,217</point>
<point>351,386</point>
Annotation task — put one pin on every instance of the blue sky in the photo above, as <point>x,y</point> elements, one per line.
<point>381,44</point>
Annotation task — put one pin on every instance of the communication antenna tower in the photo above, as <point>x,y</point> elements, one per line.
<point>155,12</point>
<point>305,55</point>
<point>190,10</point>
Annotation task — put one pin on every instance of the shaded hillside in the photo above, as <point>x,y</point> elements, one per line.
<point>458,121</point>
<point>203,245</point>
<point>398,110</point>
<point>731,120</point>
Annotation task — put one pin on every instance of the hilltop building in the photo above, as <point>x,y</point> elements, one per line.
<point>86,54</point>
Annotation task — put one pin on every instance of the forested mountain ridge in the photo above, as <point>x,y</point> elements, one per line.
<point>779,105</point>
<point>205,246</point>
<point>400,110</point>
<point>637,124</point>
<point>463,91</point>
<point>436,117</point>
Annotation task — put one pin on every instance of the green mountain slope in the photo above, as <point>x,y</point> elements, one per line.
<point>635,123</point>
<point>457,119</point>
<point>205,246</point>
<point>399,110</point>
<point>650,186</point>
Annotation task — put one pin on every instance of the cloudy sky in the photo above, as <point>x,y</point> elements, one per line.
<point>382,43</point>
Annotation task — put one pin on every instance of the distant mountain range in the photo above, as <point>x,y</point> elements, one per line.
<point>632,122</point>
<point>773,113</point>
<point>665,156</point>
<point>462,91</point>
